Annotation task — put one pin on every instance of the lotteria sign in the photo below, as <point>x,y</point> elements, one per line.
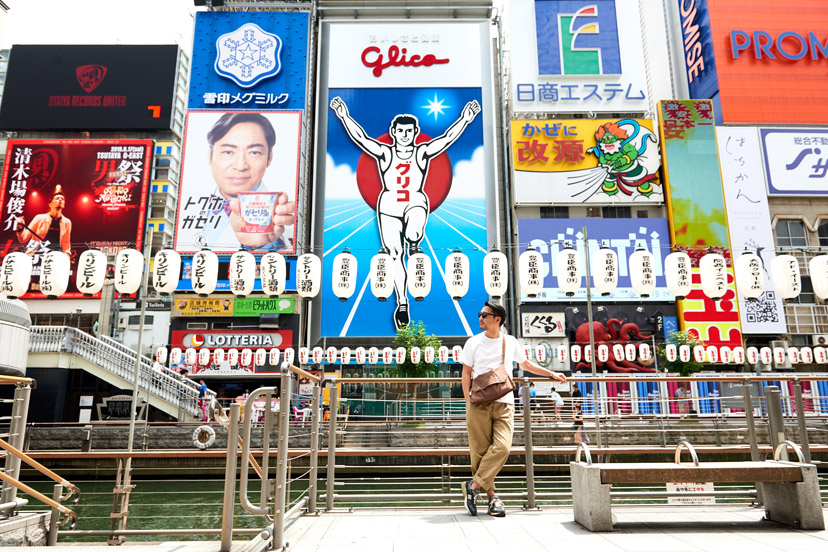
<point>214,339</point>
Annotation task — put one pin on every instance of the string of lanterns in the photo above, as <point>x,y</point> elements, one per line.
<point>748,269</point>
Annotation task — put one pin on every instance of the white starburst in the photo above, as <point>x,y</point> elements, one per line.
<point>435,107</point>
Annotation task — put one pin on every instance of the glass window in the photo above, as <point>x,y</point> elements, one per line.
<point>642,214</point>
<point>593,212</point>
<point>162,174</point>
<point>822,232</point>
<point>806,296</point>
<point>791,233</point>
<point>554,212</point>
<point>616,212</point>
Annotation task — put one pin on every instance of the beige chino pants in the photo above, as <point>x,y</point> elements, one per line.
<point>489,427</point>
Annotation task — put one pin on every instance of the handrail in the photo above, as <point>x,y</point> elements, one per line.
<point>783,444</point>
<point>72,488</point>
<point>13,380</point>
<point>619,377</point>
<point>70,515</point>
<point>587,456</point>
<point>690,449</point>
<point>304,374</point>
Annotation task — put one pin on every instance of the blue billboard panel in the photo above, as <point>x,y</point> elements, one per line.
<point>250,60</point>
<point>223,284</point>
<point>699,60</point>
<point>622,235</point>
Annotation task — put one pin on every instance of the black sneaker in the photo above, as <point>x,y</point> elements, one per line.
<point>401,316</point>
<point>470,497</point>
<point>496,507</point>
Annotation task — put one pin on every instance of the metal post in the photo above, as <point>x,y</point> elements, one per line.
<point>230,468</point>
<point>776,425</point>
<point>314,450</point>
<point>54,517</point>
<point>751,424</point>
<point>800,418</point>
<point>596,395</point>
<point>330,472</point>
<point>17,437</point>
<point>527,440</point>
<point>281,465</point>
<point>267,430</point>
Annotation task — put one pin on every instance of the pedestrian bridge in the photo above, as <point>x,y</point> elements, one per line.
<point>105,358</point>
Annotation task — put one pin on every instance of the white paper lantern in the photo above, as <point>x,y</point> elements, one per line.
<point>752,355</point>
<point>419,276</point>
<point>246,357</point>
<point>739,355</point>
<point>16,275</point>
<point>343,281</point>
<point>587,353</point>
<point>161,355</point>
<point>272,273</point>
<point>129,269</point>
<point>175,355</point>
<point>568,263</point>
<point>603,352</point>
<point>233,357</point>
<point>416,355</point>
<point>820,355</point>
<point>750,277</point>
<point>698,353</point>
<point>273,356</point>
<point>204,356</point>
<point>455,353</point>
<point>166,271</point>
<point>530,266</point>
<point>317,355</point>
<point>605,270</point>
<point>260,357</point>
<point>190,356</point>
<point>457,274</point>
<point>241,273</point>
<point>304,355</point>
<point>308,275</point>
<point>561,353</point>
<point>818,267</point>
<point>785,274</point>
<point>54,274</point>
<point>712,353</point>
<point>387,355</point>
<point>428,355</point>
<point>678,274</point>
<point>399,355</point>
<point>575,353</point>
<point>443,354</point>
<point>806,355</point>
<point>766,356</point>
<point>218,356</point>
<point>539,353</point>
<point>642,272</point>
<point>671,352</point>
<point>618,352</point>
<point>359,354</point>
<point>793,355</point>
<point>713,272</point>
<point>288,356</point>
<point>685,353</point>
<point>495,274</point>
<point>345,355</point>
<point>373,355</point>
<point>91,272</point>
<point>644,352</point>
<point>630,352</point>
<point>205,272</point>
<point>527,350</point>
<point>382,275</point>
<point>725,354</point>
<point>779,356</point>
<point>330,355</point>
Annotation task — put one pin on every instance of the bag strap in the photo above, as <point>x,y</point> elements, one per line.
<point>503,350</point>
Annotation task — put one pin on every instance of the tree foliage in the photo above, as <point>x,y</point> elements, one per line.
<point>409,336</point>
<point>684,369</point>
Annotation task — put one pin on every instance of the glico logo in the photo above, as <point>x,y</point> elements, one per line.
<point>577,37</point>
<point>396,57</point>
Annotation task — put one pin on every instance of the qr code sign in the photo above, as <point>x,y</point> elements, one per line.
<point>763,310</point>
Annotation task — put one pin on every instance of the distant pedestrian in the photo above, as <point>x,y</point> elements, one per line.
<point>581,435</point>
<point>576,396</point>
<point>558,401</point>
<point>202,399</point>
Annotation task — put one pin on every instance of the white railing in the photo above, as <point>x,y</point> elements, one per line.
<point>120,361</point>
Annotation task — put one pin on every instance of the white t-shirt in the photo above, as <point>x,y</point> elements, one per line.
<point>484,354</point>
<point>557,398</point>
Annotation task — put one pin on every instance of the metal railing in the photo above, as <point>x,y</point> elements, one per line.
<point>120,361</point>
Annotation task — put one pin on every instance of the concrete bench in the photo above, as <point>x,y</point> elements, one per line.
<point>789,490</point>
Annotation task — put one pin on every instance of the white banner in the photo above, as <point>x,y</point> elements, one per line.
<point>543,324</point>
<point>748,219</point>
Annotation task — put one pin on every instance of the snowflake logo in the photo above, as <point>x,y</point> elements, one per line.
<point>248,55</point>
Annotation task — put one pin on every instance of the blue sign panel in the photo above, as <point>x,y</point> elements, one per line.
<point>249,60</point>
<point>223,284</point>
<point>622,235</point>
<point>699,60</point>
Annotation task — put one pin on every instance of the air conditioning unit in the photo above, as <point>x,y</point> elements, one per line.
<point>785,365</point>
<point>122,321</point>
<point>819,340</point>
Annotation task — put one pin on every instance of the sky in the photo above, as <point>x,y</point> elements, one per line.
<point>99,22</point>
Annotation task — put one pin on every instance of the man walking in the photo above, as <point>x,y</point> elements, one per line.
<point>489,425</point>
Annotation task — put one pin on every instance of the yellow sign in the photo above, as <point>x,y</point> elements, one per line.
<point>215,305</point>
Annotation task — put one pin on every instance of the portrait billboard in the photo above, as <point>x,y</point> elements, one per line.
<point>796,161</point>
<point>586,161</point>
<point>73,195</point>
<point>749,221</point>
<point>239,181</point>
<point>111,87</point>
<point>621,235</point>
<point>249,60</point>
<point>577,55</point>
<point>697,214</point>
<point>406,141</point>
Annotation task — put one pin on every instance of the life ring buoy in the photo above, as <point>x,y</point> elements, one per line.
<point>204,437</point>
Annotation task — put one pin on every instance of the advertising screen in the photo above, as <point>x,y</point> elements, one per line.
<point>109,87</point>
<point>239,181</point>
<point>73,195</point>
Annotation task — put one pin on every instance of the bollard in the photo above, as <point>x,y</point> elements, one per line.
<point>800,418</point>
<point>776,425</point>
<point>330,472</point>
<point>54,517</point>
<point>230,468</point>
<point>527,440</point>
<point>313,476</point>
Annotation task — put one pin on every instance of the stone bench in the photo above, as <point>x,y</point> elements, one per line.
<point>789,490</point>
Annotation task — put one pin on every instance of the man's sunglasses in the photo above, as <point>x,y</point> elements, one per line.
<point>484,314</point>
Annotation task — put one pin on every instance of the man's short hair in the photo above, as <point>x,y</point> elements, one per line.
<point>497,310</point>
<point>405,119</point>
<point>229,120</point>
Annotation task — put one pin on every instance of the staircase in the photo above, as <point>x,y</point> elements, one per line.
<point>64,347</point>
